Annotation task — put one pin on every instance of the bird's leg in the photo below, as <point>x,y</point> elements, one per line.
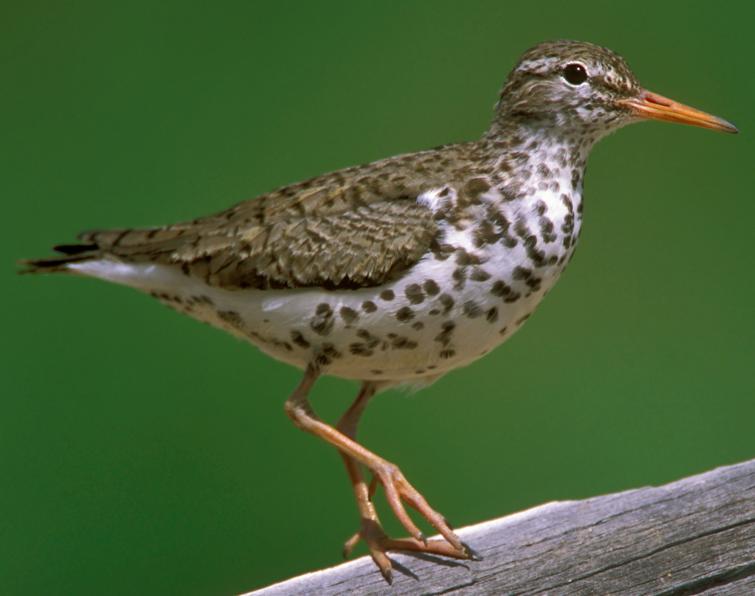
<point>397,488</point>
<point>371,530</point>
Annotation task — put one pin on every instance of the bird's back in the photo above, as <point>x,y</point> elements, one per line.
<point>354,227</point>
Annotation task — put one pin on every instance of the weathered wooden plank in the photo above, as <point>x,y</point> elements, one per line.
<point>693,536</point>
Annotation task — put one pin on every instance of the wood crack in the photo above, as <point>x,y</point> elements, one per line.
<point>723,577</point>
<point>651,553</point>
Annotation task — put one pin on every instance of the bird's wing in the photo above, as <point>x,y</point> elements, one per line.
<point>333,232</point>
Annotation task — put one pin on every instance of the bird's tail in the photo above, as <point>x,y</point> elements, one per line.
<point>69,253</point>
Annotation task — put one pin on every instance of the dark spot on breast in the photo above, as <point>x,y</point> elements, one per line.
<point>360,349</point>
<point>441,251</point>
<point>460,278</point>
<point>387,295</point>
<point>530,243</point>
<point>447,302</point>
<point>561,157</point>
<point>370,341</point>
<point>465,258</point>
<point>447,329</point>
<point>522,273</point>
<point>492,315</point>
<point>510,193</point>
<point>403,343</point>
<point>414,294</point>
<point>447,353</point>
<point>404,314</point>
<point>575,178</point>
<point>502,223</point>
<point>330,351</point>
<point>500,288</point>
<point>533,283</point>
<point>298,338</point>
<point>232,318</point>
<point>323,309</point>
<point>475,187</point>
<point>479,274</point>
<point>322,361</point>
<point>431,287</point>
<point>369,306</point>
<point>349,315</point>
<point>547,230</point>
<point>484,234</point>
<point>322,322</point>
<point>472,309</point>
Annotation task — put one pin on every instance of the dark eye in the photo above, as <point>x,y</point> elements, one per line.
<point>574,74</point>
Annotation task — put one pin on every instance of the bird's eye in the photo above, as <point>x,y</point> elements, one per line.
<point>574,74</point>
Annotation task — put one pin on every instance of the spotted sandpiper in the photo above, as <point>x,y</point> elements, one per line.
<point>398,271</point>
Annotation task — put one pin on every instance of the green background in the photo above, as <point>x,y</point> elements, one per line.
<point>142,452</point>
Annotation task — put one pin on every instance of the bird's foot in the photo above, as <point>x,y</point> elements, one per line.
<point>379,544</point>
<point>398,490</point>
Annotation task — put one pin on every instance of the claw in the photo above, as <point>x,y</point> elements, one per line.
<point>349,545</point>
<point>387,575</point>
<point>471,553</point>
<point>379,556</point>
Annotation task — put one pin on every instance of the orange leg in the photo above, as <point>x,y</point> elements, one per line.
<point>397,488</point>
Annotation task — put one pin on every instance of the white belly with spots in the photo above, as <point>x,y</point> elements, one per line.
<point>491,269</point>
<point>412,330</point>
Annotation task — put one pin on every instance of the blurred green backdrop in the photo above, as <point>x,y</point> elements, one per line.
<point>142,452</point>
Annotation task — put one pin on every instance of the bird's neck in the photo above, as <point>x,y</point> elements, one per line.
<point>541,140</point>
<point>536,157</point>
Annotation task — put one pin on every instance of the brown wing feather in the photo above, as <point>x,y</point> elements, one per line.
<point>364,247</point>
<point>359,226</point>
<point>355,227</point>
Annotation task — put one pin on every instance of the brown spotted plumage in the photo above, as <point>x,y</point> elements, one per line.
<point>398,271</point>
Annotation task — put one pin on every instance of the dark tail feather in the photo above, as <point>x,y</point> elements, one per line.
<point>74,249</point>
<point>72,253</point>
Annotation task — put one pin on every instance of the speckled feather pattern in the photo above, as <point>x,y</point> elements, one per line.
<point>490,246</point>
<point>399,270</point>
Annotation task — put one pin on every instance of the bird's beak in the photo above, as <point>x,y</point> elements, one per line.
<point>656,107</point>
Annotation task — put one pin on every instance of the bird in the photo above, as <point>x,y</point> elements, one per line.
<point>396,272</point>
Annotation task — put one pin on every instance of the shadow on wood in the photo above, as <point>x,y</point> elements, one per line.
<point>693,536</point>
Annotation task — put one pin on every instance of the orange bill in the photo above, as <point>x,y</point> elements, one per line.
<point>656,107</point>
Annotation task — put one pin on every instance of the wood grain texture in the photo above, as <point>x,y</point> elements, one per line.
<point>693,536</point>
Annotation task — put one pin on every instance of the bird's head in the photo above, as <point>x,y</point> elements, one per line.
<point>586,89</point>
